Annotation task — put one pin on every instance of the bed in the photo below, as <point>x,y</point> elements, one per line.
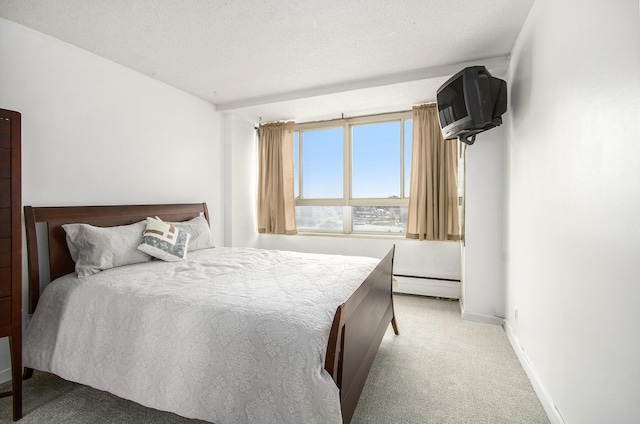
<point>343,342</point>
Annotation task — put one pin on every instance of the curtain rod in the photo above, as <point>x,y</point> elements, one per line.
<point>342,118</point>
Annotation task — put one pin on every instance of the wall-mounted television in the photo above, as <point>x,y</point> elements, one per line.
<point>470,102</point>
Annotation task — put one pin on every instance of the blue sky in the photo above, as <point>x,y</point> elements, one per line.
<point>375,166</point>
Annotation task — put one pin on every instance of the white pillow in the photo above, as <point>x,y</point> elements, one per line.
<point>95,249</point>
<point>164,240</point>
<point>198,228</point>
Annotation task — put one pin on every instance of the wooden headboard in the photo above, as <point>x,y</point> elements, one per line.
<point>60,262</point>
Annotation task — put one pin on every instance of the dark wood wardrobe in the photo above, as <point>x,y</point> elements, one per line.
<point>11,249</point>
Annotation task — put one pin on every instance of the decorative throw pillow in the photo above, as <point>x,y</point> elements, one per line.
<point>200,232</point>
<point>164,240</point>
<point>95,249</point>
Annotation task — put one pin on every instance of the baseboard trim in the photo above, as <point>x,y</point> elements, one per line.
<point>427,287</point>
<point>485,319</point>
<point>545,399</point>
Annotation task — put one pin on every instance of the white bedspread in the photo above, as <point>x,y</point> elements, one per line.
<point>227,335</point>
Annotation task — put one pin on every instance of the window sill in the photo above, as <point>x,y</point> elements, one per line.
<point>359,235</point>
<point>397,236</point>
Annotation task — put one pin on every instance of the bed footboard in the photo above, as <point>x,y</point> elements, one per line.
<point>358,328</point>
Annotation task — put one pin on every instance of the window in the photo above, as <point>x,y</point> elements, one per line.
<point>352,175</point>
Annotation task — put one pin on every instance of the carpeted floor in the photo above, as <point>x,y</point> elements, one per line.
<point>439,370</point>
<point>442,369</point>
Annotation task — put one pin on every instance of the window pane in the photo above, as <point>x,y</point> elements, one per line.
<point>322,218</point>
<point>296,164</point>
<point>322,164</point>
<point>380,219</point>
<point>376,160</point>
<point>408,138</point>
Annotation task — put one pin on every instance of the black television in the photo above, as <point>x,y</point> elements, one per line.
<point>470,102</point>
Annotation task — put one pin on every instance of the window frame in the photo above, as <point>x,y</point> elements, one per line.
<point>347,201</point>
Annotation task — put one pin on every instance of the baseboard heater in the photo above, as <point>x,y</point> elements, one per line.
<point>427,286</point>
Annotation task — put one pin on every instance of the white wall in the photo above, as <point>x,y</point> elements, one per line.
<point>483,250</point>
<point>94,132</point>
<point>240,177</point>
<point>573,202</point>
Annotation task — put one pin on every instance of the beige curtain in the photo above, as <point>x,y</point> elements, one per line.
<point>276,202</point>
<point>433,194</point>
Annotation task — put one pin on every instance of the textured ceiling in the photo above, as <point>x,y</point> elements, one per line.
<point>243,54</point>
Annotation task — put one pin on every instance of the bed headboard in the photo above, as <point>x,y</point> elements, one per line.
<point>60,262</point>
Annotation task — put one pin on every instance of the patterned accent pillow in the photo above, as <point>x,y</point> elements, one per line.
<point>164,240</point>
